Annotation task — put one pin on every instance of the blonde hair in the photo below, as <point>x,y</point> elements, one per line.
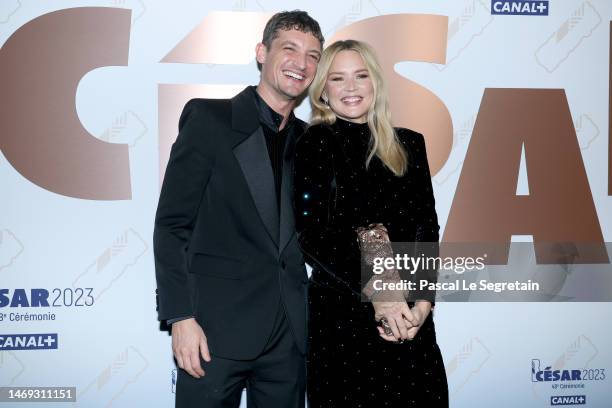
<point>384,142</point>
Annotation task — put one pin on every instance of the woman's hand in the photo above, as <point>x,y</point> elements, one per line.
<point>399,317</point>
<point>418,314</point>
<point>420,310</point>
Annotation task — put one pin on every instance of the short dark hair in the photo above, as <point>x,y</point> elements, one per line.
<point>290,20</point>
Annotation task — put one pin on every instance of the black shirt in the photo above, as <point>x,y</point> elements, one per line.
<point>275,138</point>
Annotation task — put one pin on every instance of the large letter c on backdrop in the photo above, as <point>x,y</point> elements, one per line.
<point>41,136</point>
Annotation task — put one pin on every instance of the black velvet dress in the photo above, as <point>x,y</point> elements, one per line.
<point>349,365</point>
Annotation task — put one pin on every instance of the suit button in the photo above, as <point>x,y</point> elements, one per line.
<point>283,264</point>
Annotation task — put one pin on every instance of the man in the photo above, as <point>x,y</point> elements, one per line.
<point>230,276</point>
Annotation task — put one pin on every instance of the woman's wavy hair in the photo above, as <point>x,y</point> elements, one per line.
<point>384,142</point>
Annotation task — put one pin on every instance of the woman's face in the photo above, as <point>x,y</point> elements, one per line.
<point>348,87</point>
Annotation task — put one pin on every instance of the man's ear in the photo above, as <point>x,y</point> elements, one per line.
<point>260,53</point>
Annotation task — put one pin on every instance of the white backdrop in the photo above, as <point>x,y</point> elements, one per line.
<point>113,351</point>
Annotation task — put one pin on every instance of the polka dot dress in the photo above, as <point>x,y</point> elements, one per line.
<point>349,365</point>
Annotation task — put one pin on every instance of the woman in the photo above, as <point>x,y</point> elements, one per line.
<point>354,171</point>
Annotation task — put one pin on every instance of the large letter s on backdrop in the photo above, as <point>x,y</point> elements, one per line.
<point>41,135</point>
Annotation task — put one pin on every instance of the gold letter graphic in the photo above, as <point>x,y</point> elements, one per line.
<point>559,208</point>
<point>40,132</point>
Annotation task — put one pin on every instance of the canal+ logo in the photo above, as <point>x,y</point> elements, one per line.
<point>520,7</point>
<point>547,374</point>
<point>568,400</point>
<point>38,341</point>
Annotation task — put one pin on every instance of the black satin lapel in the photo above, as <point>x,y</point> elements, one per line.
<point>287,219</point>
<point>252,155</point>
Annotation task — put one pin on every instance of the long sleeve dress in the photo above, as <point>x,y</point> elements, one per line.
<point>348,363</point>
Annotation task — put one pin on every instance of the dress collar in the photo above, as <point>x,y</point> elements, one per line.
<point>351,125</point>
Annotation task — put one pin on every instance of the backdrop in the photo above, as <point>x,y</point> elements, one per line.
<point>512,97</point>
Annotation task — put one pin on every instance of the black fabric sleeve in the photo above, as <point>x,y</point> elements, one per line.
<point>177,319</point>
<point>324,238</point>
<point>185,180</point>
<point>427,228</point>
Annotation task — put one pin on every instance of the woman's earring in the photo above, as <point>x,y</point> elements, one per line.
<point>325,100</point>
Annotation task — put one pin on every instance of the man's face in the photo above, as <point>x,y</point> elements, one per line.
<point>290,64</point>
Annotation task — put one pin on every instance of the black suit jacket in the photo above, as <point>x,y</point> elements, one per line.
<point>224,253</point>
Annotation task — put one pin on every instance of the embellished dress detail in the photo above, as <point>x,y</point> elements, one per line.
<point>348,363</point>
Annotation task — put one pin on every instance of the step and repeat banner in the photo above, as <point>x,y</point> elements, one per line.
<point>513,100</point>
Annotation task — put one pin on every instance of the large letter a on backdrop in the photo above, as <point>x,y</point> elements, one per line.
<point>559,207</point>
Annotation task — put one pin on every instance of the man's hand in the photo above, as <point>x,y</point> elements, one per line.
<point>188,342</point>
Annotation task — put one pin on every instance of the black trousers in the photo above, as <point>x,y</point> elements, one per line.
<point>276,378</point>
